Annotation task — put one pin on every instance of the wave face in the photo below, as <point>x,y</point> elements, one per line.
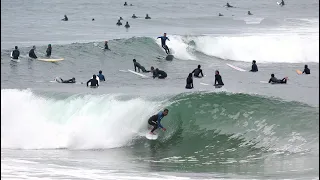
<point>291,48</point>
<point>227,121</point>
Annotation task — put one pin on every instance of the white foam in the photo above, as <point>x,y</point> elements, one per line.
<point>287,48</point>
<point>90,122</point>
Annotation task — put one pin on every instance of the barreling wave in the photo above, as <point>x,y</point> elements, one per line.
<point>209,122</point>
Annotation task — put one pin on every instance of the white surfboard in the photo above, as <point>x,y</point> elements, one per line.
<point>264,82</point>
<point>51,60</point>
<point>151,136</point>
<point>139,74</point>
<point>278,3</point>
<point>235,67</point>
<point>204,84</point>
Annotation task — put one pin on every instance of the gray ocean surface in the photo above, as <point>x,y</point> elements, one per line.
<point>248,129</point>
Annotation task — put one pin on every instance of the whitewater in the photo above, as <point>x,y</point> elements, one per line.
<point>244,130</point>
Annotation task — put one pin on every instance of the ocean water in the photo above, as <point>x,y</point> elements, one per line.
<point>245,130</point>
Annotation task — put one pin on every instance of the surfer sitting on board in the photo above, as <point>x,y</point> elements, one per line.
<point>254,67</point>
<point>137,65</point>
<point>48,51</point>
<point>106,45</point>
<point>282,3</point>
<point>65,18</point>
<point>218,79</point>
<point>158,73</point>
<point>156,119</point>
<point>274,80</point>
<point>189,84</point>
<point>163,42</point>
<point>93,82</point>
<point>101,76</point>
<point>15,53</point>
<point>306,70</point>
<point>73,80</point>
<point>32,54</point>
<point>197,72</point>
<point>228,5</point>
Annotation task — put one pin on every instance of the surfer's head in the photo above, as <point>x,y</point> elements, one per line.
<point>254,61</point>
<point>199,66</point>
<point>165,112</point>
<point>92,19</point>
<point>106,42</point>
<point>127,23</point>
<point>164,34</point>
<point>73,78</point>
<point>16,47</point>
<point>272,75</point>
<point>190,75</point>
<point>217,72</point>
<point>34,47</point>
<point>152,68</point>
<point>49,45</point>
<point>100,72</point>
<point>305,66</point>
<point>134,60</point>
<point>94,76</point>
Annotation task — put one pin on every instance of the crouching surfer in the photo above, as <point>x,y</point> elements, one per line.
<point>156,119</point>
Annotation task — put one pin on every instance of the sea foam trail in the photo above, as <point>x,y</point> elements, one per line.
<point>89,122</point>
<point>283,48</point>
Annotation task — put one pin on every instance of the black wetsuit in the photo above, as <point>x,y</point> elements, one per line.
<point>93,83</point>
<point>218,80</point>
<point>127,25</point>
<point>274,80</point>
<point>32,54</point>
<point>106,46</point>
<point>119,23</point>
<point>137,65</point>
<point>254,68</point>
<point>134,17</point>
<point>160,74</point>
<point>68,81</point>
<point>197,72</point>
<point>306,71</point>
<point>48,51</point>
<point>189,84</point>
<point>15,54</point>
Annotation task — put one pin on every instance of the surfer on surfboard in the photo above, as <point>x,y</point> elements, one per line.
<point>254,67</point>
<point>163,42</point>
<point>137,65</point>
<point>274,80</point>
<point>218,79</point>
<point>197,72</point>
<point>48,51</point>
<point>15,53</point>
<point>156,119</point>
<point>306,70</point>
<point>32,54</point>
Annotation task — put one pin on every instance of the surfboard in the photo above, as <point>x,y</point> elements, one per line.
<point>204,84</point>
<point>218,86</point>
<point>139,74</point>
<point>264,82</point>
<point>151,136</point>
<point>50,60</point>
<point>235,67</point>
<point>169,57</point>
<point>15,60</point>
<point>298,71</point>
<point>278,3</point>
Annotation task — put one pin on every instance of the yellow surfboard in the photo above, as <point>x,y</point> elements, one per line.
<point>298,71</point>
<point>51,60</point>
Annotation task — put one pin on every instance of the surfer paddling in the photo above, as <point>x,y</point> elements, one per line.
<point>156,119</point>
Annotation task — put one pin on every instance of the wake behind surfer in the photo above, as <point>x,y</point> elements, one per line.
<point>196,72</point>
<point>137,65</point>
<point>49,50</point>
<point>156,119</point>
<point>93,82</point>
<point>15,53</point>
<point>32,54</point>
<point>274,80</point>
<point>163,42</point>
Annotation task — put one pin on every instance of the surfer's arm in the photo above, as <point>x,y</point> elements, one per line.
<point>88,82</point>
<point>201,73</point>
<point>270,80</point>
<point>159,119</point>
